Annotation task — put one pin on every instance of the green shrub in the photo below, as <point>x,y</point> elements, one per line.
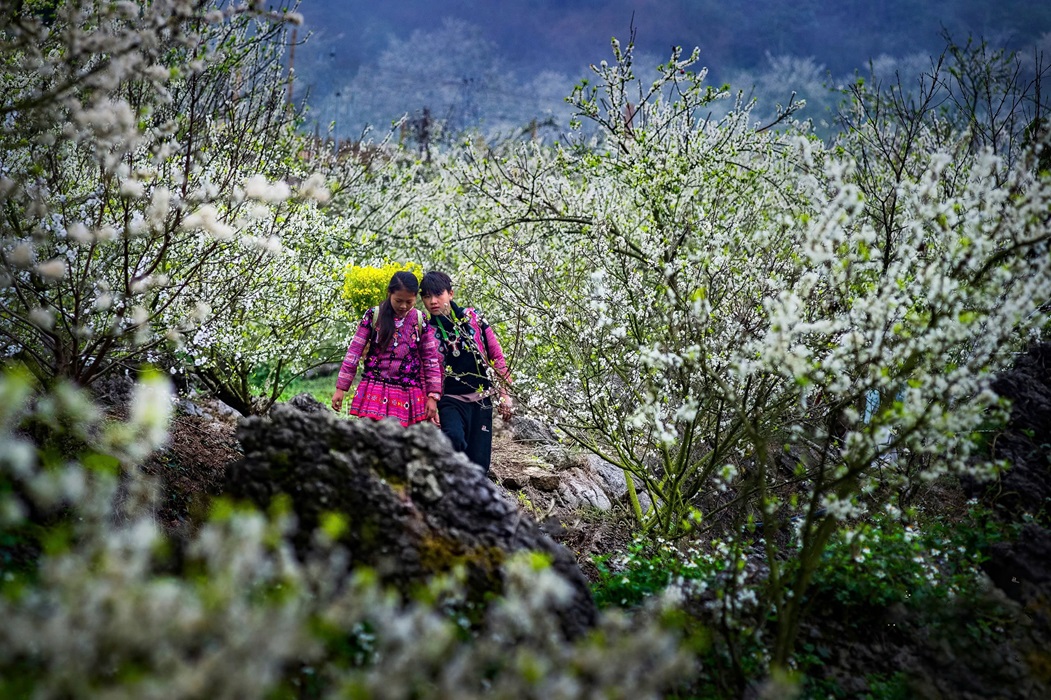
<point>627,579</point>
<point>320,387</point>
<point>884,561</point>
<point>365,286</point>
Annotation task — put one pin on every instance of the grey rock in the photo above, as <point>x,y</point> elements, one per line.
<point>306,403</point>
<point>113,390</point>
<point>537,477</point>
<point>579,488</point>
<point>556,455</point>
<point>614,483</point>
<point>553,526</point>
<point>515,481</point>
<point>645,502</point>
<point>1022,567</point>
<point>541,479</point>
<point>1026,440</point>
<point>221,409</point>
<point>414,507</point>
<point>543,441</point>
<point>612,476</point>
<point>532,430</point>
<point>189,408</point>
<point>322,371</point>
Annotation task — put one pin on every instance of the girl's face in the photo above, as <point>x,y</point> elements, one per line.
<point>438,305</point>
<point>402,301</point>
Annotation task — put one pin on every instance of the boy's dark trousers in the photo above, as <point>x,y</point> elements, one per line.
<point>469,426</point>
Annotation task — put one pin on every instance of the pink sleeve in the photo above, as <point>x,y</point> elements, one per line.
<point>430,358</point>
<point>496,355</point>
<point>354,352</point>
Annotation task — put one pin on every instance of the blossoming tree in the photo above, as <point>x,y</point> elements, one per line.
<point>146,151</point>
<point>758,328</point>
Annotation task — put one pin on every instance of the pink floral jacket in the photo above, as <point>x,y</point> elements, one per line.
<point>411,360</point>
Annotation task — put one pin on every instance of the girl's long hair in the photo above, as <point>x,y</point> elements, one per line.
<point>384,321</point>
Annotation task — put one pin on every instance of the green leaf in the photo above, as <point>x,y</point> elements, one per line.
<point>101,463</point>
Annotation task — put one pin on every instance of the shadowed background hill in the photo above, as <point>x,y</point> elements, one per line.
<point>498,65</point>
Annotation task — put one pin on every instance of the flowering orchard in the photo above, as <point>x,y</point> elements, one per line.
<point>157,208</point>
<point>147,150</point>
<point>766,332</point>
<point>756,326</point>
<point>161,205</point>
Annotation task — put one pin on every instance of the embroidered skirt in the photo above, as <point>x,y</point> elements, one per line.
<point>377,400</point>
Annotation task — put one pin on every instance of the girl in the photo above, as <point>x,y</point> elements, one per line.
<point>402,376</point>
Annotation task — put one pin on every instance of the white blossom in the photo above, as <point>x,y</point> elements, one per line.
<point>132,189</point>
<point>315,187</point>
<point>42,317</point>
<point>258,187</point>
<point>22,255</point>
<point>207,219</point>
<point>54,269</point>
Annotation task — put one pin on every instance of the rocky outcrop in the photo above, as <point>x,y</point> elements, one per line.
<point>1022,567</point>
<point>577,480</point>
<point>413,507</point>
<point>1026,440</point>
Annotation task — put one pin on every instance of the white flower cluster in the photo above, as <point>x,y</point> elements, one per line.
<point>108,613</point>
<point>687,294</point>
<point>137,152</point>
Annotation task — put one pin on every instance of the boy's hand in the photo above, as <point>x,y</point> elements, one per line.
<point>504,407</point>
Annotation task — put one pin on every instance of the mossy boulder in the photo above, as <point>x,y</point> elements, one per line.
<point>413,507</point>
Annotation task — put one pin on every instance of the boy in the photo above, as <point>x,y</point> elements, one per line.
<point>473,361</point>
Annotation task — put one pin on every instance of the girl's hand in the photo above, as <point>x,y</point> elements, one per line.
<point>337,400</point>
<point>432,409</point>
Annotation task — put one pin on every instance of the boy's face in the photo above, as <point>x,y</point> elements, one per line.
<point>438,305</point>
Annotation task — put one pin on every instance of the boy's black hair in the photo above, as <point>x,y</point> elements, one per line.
<point>434,283</point>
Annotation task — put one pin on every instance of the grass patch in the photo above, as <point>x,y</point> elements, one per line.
<point>320,387</point>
